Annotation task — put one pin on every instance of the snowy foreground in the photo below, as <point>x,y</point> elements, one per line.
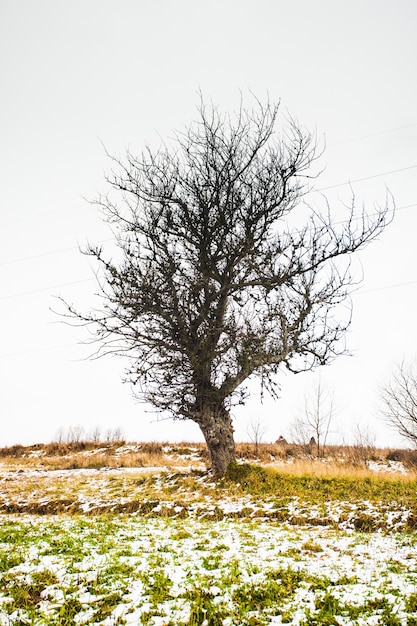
<point>129,570</point>
<point>115,547</point>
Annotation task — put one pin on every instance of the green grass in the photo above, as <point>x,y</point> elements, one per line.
<point>183,549</point>
<point>81,570</point>
<point>363,504</point>
<point>259,481</point>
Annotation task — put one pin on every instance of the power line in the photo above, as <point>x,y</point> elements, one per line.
<point>36,350</point>
<point>28,293</point>
<point>34,291</point>
<point>389,130</point>
<point>38,256</point>
<point>50,253</point>
<point>85,280</point>
<point>359,180</point>
<point>383,288</point>
<point>376,134</point>
<point>61,250</point>
<point>111,239</point>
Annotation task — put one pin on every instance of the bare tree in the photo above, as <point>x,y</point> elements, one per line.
<point>363,449</point>
<point>320,412</point>
<point>312,428</point>
<point>300,434</point>
<point>399,398</point>
<point>75,434</point>
<point>114,435</point>
<point>60,435</point>
<point>256,432</point>
<point>213,284</point>
<point>95,435</point>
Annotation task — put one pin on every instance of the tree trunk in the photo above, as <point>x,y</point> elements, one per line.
<point>217,429</point>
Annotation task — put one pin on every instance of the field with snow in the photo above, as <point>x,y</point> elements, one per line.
<point>144,545</point>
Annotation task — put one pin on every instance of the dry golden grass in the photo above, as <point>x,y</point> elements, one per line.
<point>280,477</point>
<point>80,461</point>
<point>88,456</point>
<point>336,469</point>
<point>289,459</point>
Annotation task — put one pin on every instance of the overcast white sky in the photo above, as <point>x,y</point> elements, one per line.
<point>75,74</point>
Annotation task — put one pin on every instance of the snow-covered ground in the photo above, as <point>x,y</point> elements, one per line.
<point>132,546</point>
<point>130,570</point>
<point>167,494</point>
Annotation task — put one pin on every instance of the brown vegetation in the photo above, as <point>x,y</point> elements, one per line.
<point>289,458</point>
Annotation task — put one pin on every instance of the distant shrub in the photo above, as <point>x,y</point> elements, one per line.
<point>13,451</point>
<point>152,447</point>
<point>407,457</point>
<point>182,451</point>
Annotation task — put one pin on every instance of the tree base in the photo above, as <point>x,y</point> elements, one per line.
<point>218,432</point>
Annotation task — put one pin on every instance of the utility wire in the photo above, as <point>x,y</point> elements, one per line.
<point>84,280</point>
<point>38,256</point>
<point>359,180</point>
<point>382,132</point>
<point>28,293</point>
<point>50,253</point>
<point>376,134</point>
<point>384,287</point>
<point>61,250</point>
<point>36,350</point>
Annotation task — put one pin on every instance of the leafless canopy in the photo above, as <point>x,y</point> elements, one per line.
<point>213,284</point>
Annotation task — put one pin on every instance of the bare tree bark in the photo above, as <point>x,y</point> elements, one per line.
<point>217,429</point>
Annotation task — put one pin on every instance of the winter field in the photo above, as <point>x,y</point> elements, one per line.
<point>116,535</point>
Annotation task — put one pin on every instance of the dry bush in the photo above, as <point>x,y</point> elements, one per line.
<point>13,451</point>
<point>359,456</point>
<point>336,460</point>
<point>204,454</point>
<point>407,457</point>
<point>104,459</point>
<point>186,449</point>
<point>152,448</point>
<point>56,449</point>
<point>264,452</point>
<point>63,449</point>
<point>287,458</point>
<point>85,462</point>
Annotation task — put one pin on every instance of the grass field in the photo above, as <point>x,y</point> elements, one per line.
<point>292,540</point>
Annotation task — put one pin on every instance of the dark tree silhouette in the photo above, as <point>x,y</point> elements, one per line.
<point>213,285</point>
